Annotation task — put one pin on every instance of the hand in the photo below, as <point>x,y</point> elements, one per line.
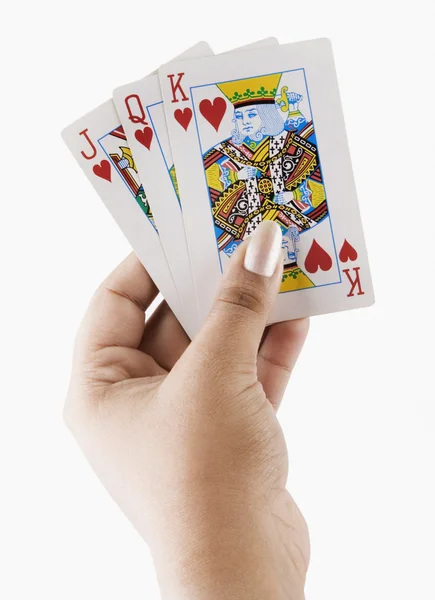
<point>185,436</point>
<point>247,173</point>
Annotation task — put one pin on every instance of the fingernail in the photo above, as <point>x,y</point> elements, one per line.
<point>264,249</point>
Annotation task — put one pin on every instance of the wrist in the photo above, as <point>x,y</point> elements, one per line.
<point>233,552</point>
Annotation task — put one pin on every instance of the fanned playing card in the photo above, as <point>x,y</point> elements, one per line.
<point>98,143</point>
<point>260,135</point>
<point>140,107</point>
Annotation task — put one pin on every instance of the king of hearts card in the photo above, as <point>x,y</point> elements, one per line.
<point>262,138</point>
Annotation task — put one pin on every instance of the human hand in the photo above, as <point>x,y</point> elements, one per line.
<point>185,436</point>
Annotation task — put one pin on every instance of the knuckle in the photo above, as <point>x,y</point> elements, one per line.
<point>81,406</point>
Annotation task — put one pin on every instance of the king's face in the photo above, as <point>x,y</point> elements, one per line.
<point>247,120</point>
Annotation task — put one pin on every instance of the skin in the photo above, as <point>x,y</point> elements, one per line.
<point>185,437</point>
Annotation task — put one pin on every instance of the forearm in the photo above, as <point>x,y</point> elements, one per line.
<point>224,557</point>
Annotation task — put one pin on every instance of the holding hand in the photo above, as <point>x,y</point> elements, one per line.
<point>184,435</point>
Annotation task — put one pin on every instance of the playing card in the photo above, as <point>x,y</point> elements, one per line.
<point>260,135</point>
<point>140,108</point>
<point>98,143</point>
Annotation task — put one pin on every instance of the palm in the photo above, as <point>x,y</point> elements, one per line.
<point>292,532</point>
<point>132,348</point>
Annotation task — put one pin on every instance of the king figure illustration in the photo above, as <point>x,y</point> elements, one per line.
<point>267,169</point>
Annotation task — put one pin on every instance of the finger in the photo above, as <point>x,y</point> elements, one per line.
<point>116,314</point>
<point>164,339</point>
<point>277,356</point>
<point>245,297</point>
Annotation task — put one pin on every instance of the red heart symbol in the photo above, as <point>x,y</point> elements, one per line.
<point>183,117</point>
<point>317,257</point>
<point>347,252</point>
<point>213,111</point>
<point>103,170</point>
<point>144,136</point>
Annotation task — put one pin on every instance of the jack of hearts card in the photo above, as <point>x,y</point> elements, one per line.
<point>98,143</point>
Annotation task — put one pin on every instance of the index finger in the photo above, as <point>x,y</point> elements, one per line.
<point>116,314</point>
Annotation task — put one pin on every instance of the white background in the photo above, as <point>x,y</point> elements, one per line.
<point>359,413</point>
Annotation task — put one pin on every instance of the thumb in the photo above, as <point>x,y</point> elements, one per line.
<point>246,295</point>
